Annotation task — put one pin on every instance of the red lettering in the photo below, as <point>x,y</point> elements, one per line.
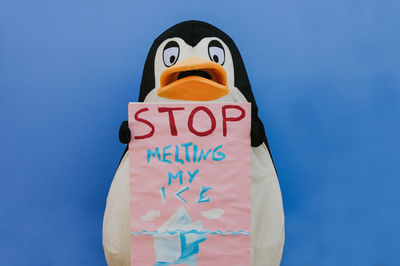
<point>230,119</point>
<point>147,122</point>
<point>170,110</point>
<point>212,118</point>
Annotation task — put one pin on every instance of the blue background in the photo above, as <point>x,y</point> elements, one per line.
<point>326,75</point>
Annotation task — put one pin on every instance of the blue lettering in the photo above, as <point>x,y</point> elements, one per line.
<point>187,145</point>
<point>178,194</point>
<point>162,191</point>
<point>171,176</point>
<point>165,154</point>
<point>194,153</point>
<point>220,155</point>
<point>177,155</point>
<point>192,175</point>
<point>203,195</point>
<point>153,154</point>
<point>203,155</point>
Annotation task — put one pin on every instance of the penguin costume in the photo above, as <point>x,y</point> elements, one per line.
<point>195,61</point>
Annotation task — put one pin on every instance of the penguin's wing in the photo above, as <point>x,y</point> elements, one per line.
<point>124,133</point>
<point>124,137</point>
<point>257,134</point>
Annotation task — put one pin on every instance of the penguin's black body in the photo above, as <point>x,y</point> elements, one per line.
<point>194,38</point>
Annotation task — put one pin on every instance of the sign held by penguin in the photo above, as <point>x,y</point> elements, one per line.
<point>194,61</point>
<point>190,183</point>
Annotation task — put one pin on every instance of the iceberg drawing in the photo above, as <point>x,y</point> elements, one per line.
<point>177,240</point>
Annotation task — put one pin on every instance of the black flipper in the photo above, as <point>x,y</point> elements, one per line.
<point>124,137</point>
<point>124,133</point>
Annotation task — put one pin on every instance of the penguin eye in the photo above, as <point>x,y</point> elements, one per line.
<point>216,52</point>
<point>171,53</point>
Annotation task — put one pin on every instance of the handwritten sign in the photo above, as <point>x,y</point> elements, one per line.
<point>190,183</point>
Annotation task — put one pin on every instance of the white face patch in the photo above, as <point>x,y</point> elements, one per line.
<point>174,50</point>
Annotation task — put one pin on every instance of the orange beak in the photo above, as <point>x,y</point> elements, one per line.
<point>193,79</point>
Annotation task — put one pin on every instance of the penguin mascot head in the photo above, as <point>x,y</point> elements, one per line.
<point>195,61</point>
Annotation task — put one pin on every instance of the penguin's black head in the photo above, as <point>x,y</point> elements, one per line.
<point>195,61</point>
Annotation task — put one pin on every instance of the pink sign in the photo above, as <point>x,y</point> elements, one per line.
<point>190,183</point>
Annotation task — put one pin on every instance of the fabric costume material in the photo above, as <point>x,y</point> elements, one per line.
<point>195,42</point>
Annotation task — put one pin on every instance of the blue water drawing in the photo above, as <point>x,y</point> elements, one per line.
<point>181,244</point>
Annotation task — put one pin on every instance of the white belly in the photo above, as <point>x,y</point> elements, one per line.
<point>267,226</point>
